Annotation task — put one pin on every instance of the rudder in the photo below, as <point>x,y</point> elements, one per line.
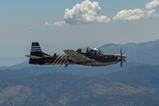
<point>36,54</point>
<point>36,50</point>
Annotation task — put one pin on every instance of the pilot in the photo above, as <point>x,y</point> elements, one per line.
<point>99,52</point>
<point>88,50</point>
<point>79,50</point>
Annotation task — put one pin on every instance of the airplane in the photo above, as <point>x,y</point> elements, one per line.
<point>82,56</point>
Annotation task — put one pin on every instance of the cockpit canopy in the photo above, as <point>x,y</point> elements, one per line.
<point>89,50</point>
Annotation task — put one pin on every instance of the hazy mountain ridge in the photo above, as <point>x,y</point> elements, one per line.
<point>128,87</point>
<point>137,83</point>
<point>143,53</point>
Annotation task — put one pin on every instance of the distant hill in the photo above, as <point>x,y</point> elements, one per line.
<point>130,87</point>
<point>144,53</point>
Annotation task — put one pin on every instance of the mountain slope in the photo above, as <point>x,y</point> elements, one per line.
<point>135,86</point>
<point>144,53</point>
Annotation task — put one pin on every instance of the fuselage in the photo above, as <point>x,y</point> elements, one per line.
<point>100,59</point>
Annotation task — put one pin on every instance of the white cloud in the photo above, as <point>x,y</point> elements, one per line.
<point>153,4</point>
<point>48,24</point>
<point>83,13</point>
<point>135,14</point>
<point>89,12</point>
<point>59,23</point>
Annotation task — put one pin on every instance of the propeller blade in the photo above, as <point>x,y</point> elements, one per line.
<point>121,53</point>
<point>122,58</point>
<point>121,64</point>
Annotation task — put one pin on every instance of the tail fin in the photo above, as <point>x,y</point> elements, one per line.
<point>36,54</point>
<point>36,50</point>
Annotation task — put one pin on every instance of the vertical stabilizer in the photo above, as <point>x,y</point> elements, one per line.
<point>36,54</point>
<point>36,50</point>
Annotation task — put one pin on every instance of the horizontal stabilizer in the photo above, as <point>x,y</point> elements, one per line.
<point>33,57</point>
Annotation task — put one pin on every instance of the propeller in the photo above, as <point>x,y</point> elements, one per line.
<point>122,58</point>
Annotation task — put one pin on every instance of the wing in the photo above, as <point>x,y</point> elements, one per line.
<point>38,57</point>
<point>77,57</point>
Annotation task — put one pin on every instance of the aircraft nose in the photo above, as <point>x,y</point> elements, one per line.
<point>124,58</point>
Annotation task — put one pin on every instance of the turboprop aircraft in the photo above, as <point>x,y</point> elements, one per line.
<point>82,56</point>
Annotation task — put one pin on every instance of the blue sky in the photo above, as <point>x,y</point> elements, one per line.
<point>22,22</point>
